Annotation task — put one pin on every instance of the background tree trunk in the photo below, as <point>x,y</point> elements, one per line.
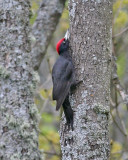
<point>91,44</point>
<point>18,114</point>
<point>47,19</point>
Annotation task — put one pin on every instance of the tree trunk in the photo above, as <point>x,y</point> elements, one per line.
<point>91,45</point>
<point>44,27</point>
<point>18,114</point>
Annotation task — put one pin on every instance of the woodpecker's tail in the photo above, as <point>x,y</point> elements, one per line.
<point>68,112</point>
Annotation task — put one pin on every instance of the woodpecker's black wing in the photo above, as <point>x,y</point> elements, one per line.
<point>62,75</point>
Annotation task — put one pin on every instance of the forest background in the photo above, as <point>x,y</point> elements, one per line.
<point>50,119</point>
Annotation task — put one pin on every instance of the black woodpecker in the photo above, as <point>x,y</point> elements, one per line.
<point>63,79</point>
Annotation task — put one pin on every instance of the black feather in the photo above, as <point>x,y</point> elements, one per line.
<point>68,112</point>
<point>63,79</point>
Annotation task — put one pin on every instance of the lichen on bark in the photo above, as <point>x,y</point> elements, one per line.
<point>18,114</point>
<point>90,40</point>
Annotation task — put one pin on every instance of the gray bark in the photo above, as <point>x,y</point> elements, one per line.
<point>44,27</point>
<point>18,114</point>
<point>91,45</point>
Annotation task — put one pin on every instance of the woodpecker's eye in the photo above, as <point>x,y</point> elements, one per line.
<point>64,41</point>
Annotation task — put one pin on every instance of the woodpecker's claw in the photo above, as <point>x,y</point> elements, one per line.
<point>67,35</point>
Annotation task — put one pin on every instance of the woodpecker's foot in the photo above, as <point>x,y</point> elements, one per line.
<point>70,126</point>
<point>79,82</point>
<point>74,85</point>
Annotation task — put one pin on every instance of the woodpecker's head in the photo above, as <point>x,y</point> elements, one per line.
<point>63,44</point>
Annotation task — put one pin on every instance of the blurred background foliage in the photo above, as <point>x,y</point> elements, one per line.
<point>50,119</point>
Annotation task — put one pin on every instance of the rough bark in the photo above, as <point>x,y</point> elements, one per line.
<point>91,44</point>
<point>44,27</point>
<point>18,114</point>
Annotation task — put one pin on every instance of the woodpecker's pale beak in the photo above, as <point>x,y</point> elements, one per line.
<point>67,35</point>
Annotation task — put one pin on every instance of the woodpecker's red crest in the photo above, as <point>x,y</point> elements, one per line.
<point>58,44</point>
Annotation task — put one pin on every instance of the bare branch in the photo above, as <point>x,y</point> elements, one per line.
<point>117,83</point>
<point>124,30</point>
<point>44,27</point>
<point>122,123</point>
<point>118,126</point>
